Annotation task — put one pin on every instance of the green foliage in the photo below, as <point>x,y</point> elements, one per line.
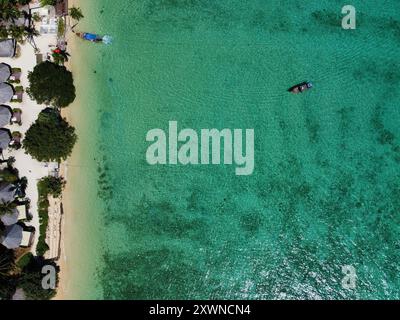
<point>10,13</point>
<point>7,208</point>
<point>43,211</point>
<point>76,13</point>
<point>25,274</point>
<point>47,186</point>
<point>9,10</point>
<point>31,280</point>
<point>8,284</point>
<point>21,2</point>
<point>17,33</point>
<point>10,161</point>
<point>28,276</point>
<point>6,261</point>
<point>51,84</point>
<point>9,174</point>
<point>7,265</point>
<point>60,28</point>
<point>36,17</point>
<point>50,138</point>
<point>19,89</point>
<point>60,56</point>
<point>48,2</point>
<point>24,260</point>
<point>31,283</point>
<point>3,32</point>
<point>51,186</point>
<point>16,134</point>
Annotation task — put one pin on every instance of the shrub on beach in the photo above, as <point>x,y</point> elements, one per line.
<point>43,212</point>
<point>44,3</point>
<point>51,186</point>
<point>76,13</point>
<point>31,277</point>
<point>25,274</point>
<point>9,174</point>
<point>50,138</point>
<point>51,84</point>
<point>47,186</point>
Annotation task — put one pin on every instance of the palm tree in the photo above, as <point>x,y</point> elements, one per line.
<point>7,208</point>
<point>60,56</point>
<point>8,12</point>
<point>20,187</point>
<point>31,32</point>
<point>76,13</point>
<point>17,33</point>
<point>10,161</point>
<point>3,32</point>
<point>6,262</point>
<point>7,279</point>
<point>44,3</point>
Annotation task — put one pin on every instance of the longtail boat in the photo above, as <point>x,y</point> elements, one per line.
<point>93,37</point>
<point>299,88</point>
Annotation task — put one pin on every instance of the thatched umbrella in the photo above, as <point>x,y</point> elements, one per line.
<point>12,237</point>
<point>7,192</point>
<point>5,115</point>
<point>7,48</point>
<point>11,218</point>
<point>5,139</point>
<point>6,92</point>
<point>5,72</point>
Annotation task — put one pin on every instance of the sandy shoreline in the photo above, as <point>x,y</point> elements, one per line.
<point>65,272</point>
<point>80,241</point>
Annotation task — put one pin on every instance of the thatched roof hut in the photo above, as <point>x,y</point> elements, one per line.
<point>6,92</point>
<point>5,72</point>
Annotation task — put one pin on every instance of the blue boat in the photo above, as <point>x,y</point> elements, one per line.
<point>94,37</point>
<point>90,36</point>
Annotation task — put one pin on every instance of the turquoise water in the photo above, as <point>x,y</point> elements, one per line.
<point>325,192</point>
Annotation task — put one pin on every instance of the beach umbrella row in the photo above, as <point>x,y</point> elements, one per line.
<point>6,94</point>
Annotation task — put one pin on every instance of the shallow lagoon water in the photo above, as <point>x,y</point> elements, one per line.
<point>325,192</point>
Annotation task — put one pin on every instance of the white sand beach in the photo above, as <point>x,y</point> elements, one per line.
<point>28,167</point>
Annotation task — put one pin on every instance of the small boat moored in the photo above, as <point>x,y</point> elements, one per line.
<point>94,37</point>
<point>304,86</point>
<point>89,36</point>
